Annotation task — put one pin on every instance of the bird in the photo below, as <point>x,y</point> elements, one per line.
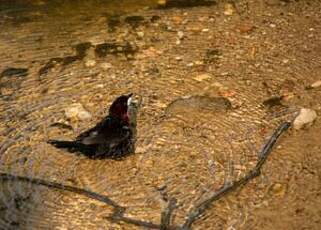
<point>113,137</point>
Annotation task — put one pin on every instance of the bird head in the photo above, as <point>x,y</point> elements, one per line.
<point>125,108</point>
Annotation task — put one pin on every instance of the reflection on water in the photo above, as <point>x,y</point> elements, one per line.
<point>196,131</point>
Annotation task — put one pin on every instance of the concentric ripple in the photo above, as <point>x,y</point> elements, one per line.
<point>184,150</point>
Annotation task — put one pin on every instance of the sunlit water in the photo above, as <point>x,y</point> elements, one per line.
<point>187,146</point>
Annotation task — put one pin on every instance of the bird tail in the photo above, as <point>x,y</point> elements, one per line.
<point>73,146</point>
<point>64,144</point>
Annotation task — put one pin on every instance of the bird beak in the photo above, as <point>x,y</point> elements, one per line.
<point>134,100</point>
<point>133,103</point>
<point>129,100</point>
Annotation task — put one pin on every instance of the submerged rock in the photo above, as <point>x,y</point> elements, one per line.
<point>11,71</point>
<point>314,85</point>
<point>306,117</point>
<point>155,18</point>
<point>113,22</point>
<point>10,80</point>
<point>106,66</point>
<point>229,9</point>
<point>180,35</point>
<point>273,101</point>
<point>81,51</point>
<point>101,50</point>
<point>212,56</point>
<point>202,77</point>
<point>246,27</point>
<point>184,3</point>
<point>81,48</point>
<point>90,63</point>
<point>198,103</point>
<point>134,20</point>
<point>77,111</point>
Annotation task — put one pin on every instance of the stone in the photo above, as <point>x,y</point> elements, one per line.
<point>229,9</point>
<point>306,117</point>
<point>106,66</point>
<point>90,63</point>
<point>202,77</point>
<point>140,34</point>
<point>278,190</point>
<point>316,84</point>
<point>177,19</point>
<point>272,25</point>
<point>246,27</point>
<point>194,28</point>
<point>12,71</point>
<point>180,34</point>
<point>77,111</point>
<point>161,2</point>
<point>198,62</point>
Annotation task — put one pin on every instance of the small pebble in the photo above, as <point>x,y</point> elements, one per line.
<point>100,86</point>
<point>306,117</point>
<point>106,66</point>
<point>278,190</point>
<point>229,9</point>
<point>316,84</point>
<point>202,77</point>
<point>246,27</point>
<point>161,2</point>
<point>199,62</point>
<point>90,63</point>
<point>180,34</point>
<point>77,111</point>
<point>12,71</point>
<point>140,34</point>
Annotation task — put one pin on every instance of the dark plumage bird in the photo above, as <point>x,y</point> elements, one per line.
<point>113,137</point>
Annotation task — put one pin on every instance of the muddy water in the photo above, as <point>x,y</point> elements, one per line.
<point>206,79</point>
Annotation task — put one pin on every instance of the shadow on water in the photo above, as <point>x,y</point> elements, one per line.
<point>18,12</point>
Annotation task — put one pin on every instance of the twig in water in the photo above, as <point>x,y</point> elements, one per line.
<point>193,215</point>
<point>200,208</point>
<point>117,215</point>
<point>55,185</point>
<point>167,214</point>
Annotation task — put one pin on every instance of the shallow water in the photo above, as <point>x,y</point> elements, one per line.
<point>194,133</point>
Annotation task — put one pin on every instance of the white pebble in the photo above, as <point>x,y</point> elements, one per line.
<point>305,117</point>
<point>90,63</point>
<point>76,110</point>
<point>316,84</point>
<point>180,34</point>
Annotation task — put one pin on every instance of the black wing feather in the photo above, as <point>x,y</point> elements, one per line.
<point>108,131</point>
